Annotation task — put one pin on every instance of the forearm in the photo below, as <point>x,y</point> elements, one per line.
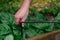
<point>25,6</point>
<point>22,13</point>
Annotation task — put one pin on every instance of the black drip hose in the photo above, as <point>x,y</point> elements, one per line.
<point>22,32</point>
<point>22,28</point>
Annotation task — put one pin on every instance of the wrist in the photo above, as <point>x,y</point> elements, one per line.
<point>28,0</point>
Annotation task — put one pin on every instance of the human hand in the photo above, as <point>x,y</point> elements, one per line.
<point>22,14</point>
<point>21,17</point>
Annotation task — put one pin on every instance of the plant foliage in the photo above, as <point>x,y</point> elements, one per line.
<point>8,26</point>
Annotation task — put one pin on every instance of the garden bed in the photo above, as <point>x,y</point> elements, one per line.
<point>55,35</point>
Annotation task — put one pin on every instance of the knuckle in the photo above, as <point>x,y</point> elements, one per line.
<point>16,16</point>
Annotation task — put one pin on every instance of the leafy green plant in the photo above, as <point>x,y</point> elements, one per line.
<point>50,13</point>
<point>8,26</point>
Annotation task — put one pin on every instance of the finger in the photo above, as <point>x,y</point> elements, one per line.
<point>24,18</point>
<point>17,20</point>
<point>22,24</point>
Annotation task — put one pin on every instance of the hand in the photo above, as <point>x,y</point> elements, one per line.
<point>21,17</point>
<point>22,14</point>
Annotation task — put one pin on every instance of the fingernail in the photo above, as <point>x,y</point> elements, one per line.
<point>22,24</point>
